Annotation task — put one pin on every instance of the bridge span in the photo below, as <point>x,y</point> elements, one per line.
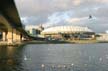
<point>11,28</point>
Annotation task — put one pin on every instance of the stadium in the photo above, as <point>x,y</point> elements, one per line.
<point>68,32</point>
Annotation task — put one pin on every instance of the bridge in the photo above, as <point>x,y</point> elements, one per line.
<point>11,27</point>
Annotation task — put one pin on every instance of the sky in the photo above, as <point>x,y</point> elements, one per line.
<point>64,12</point>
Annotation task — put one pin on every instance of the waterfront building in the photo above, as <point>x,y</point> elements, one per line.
<point>33,29</point>
<point>69,32</point>
<point>102,37</point>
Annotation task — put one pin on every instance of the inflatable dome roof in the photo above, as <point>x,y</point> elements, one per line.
<point>65,29</point>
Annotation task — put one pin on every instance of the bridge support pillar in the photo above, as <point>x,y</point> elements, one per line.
<point>10,36</point>
<point>4,36</point>
<point>13,36</point>
<point>16,36</point>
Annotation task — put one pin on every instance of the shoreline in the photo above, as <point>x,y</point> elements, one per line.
<point>52,42</point>
<point>66,42</point>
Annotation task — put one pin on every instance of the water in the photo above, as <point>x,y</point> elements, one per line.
<point>55,57</point>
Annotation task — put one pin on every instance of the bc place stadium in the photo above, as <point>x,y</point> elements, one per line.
<point>69,32</point>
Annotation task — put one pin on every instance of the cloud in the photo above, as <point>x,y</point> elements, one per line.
<point>35,7</point>
<point>102,1</point>
<point>76,2</point>
<point>33,20</point>
<point>64,12</point>
<point>57,18</point>
<point>74,20</point>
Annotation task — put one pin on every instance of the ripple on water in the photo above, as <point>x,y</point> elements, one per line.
<point>56,57</point>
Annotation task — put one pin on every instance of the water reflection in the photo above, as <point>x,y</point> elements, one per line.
<point>10,58</point>
<point>55,57</point>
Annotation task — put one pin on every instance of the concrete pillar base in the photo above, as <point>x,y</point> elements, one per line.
<point>4,36</point>
<point>13,36</point>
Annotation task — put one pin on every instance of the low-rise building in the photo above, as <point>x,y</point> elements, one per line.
<point>102,37</point>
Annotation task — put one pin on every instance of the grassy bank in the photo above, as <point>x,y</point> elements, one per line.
<point>66,41</point>
<point>82,41</point>
<point>45,42</point>
<point>52,42</point>
<point>59,42</point>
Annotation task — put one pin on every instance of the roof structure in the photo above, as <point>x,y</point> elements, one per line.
<point>65,29</point>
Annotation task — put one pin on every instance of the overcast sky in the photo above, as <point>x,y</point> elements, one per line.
<point>65,12</point>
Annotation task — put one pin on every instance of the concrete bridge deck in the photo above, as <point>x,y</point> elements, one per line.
<point>10,24</point>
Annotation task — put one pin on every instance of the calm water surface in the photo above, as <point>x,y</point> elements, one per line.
<point>55,57</point>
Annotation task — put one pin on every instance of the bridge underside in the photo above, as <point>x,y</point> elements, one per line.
<point>10,24</point>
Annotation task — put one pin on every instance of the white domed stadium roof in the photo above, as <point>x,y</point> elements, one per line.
<point>65,29</point>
